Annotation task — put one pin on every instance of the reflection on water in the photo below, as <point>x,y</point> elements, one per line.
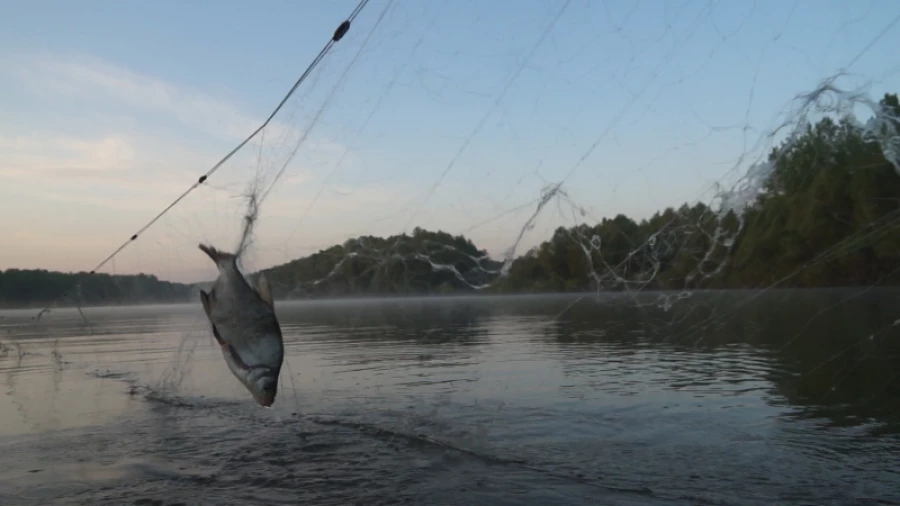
<point>724,398</point>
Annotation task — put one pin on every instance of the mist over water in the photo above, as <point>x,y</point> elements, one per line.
<point>537,400</point>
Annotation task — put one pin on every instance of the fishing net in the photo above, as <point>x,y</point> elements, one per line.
<point>691,206</point>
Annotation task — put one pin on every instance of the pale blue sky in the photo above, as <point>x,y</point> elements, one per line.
<point>109,109</point>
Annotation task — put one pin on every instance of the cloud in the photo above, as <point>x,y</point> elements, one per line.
<point>137,154</point>
<point>95,84</point>
<point>108,173</point>
<point>94,169</point>
<point>48,153</point>
<point>86,77</point>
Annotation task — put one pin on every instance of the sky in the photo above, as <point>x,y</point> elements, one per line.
<point>450,115</point>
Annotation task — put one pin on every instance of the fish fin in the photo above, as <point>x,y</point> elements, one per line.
<point>217,336</point>
<point>207,303</point>
<point>219,257</point>
<point>207,299</point>
<point>238,361</point>
<point>264,289</point>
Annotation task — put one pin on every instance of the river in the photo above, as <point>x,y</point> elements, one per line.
<point>719,398</point>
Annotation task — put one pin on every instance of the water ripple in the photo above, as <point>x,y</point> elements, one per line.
<point>446,402</point>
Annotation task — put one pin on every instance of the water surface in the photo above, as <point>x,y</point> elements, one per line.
<point>730,398</point>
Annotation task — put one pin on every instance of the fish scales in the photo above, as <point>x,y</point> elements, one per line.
<point>244,324</point>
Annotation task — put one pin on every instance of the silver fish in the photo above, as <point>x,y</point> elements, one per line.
<point>244,324</point>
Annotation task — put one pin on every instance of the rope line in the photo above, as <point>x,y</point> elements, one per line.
<point>338,34</point>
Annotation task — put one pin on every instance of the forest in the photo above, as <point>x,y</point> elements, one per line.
<point>827,215</point>
<point>38,287</point>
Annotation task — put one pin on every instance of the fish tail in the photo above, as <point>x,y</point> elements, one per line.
<point>219,257</point>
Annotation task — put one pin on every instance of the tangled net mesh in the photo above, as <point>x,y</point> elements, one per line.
<point>662,172</point>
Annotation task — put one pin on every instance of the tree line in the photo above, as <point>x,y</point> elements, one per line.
<point>39,287</point>
<point>827,214</point>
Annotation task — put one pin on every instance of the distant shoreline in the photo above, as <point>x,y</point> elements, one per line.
<point>816,223</point>
<point>476,295</point>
